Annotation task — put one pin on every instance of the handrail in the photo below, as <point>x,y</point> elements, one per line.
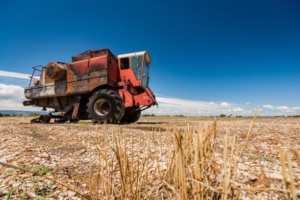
<point>33,73</point>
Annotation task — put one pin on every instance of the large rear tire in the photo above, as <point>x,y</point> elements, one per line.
<point>105,106</point>
<point>132,117</point>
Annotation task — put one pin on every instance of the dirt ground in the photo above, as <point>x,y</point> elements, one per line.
<point>63,152</point>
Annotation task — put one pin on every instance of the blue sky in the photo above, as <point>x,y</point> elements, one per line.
<point>208,57</point>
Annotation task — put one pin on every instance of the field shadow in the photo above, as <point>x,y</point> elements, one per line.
<point>148,128</point>
<point>151,122</point>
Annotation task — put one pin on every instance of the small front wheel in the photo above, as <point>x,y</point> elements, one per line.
<point>132,117</point>
<point>45,119</point>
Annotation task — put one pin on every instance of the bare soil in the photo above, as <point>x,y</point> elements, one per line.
<point>64,151</point>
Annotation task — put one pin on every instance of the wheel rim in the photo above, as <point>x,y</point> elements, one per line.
<point>45,118</point>
<point>102,107</point>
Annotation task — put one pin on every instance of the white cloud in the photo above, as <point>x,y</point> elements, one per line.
<point>268,106</point>
<point>282,108</point>
<point>11,92</point>
<point>247,103</point>
<point>175,106</point>
<point>287,110</point>
<point>12,97</point>
<point>237,109</point>
<point>296,108</point>
<point>225,104</point>
<point>14,75</point>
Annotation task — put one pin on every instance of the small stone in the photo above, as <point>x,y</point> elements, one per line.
<point>242,166</point>
<point>25,175</point>
<point>51,138</point>
<point>16,184</point>
<point>54,187</point>
<point>31,194</point>
<point>45,155</point>
<point>3,160</point>
<point>275,176</point>
<point>30,185</point>
<point>295,165</point>
<point>5,191</point>
<point>253,178</point>
<point>17,153</point>
<point>71,193</point>
<point>36,159</point>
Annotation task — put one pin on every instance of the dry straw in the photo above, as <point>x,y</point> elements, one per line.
<point>181,162</point>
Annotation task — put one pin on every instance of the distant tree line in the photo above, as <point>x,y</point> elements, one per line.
<point>16,115</point>
<point>4,115</point>
<point>221,116</point>
<point>152,115</point>
<point>9,115</point>
<point>239,116</point>
<point>148,115</point>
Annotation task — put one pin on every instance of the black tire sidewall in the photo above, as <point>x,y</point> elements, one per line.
<point>102,95</point>
<point>131,118</point>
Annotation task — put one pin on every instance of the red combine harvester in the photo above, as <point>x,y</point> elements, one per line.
<point>96,85</point>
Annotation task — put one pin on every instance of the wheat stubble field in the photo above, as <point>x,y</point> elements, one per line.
<point>156,158</point>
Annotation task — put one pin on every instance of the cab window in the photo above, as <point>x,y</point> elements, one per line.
<point>136,66</point>
<point>124,63</point>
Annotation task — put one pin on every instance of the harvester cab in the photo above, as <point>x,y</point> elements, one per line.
<point>134,68</point>
<point>95,85</point>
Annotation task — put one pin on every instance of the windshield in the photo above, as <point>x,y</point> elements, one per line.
<point>145,74</point>
<point>136,66</point>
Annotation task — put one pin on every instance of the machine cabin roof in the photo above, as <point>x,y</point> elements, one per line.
<point>141,53</point>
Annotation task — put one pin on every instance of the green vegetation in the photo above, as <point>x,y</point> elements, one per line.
<point>39,198</point>
<point>41,170</point>
<point>11,192</point>
<point>18,115</point>
<point>85,122</point>
<point>4,115</point>
<point>148,115</point>
<point>152,115</point>
<point>41,191</point>
<point>262,158</point>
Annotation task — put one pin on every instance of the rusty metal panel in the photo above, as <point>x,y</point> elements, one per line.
<point>89,54</point>
<point>32,92</point>
<point>113,71</point>
<point>95,82</point>
<point>58,89</point>
<point>46,90</point>
<point>85,83</point>
<point>82,84</point>
<point>98,63</point>
<point>77,87</point>
<point>80,67</point>
<point>93,53</point>
<point>127,97</point>
<point>96,74</point>
<point>42,102</point>
<point>85,86</point>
